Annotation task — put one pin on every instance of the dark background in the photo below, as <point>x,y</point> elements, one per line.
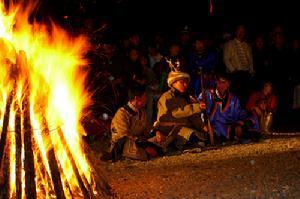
<point>148,15</point>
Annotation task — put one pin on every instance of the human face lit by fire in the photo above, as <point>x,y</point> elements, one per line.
<point>141,101</point>
<point>181,85</point>
<point>134,55</point>
<point>241,33</point>
<point>223,86</point>
<point>174,50</point>
<point>267,90</point>
<point>199,45</point>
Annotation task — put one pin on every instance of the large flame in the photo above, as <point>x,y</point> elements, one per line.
<point>50,62</point>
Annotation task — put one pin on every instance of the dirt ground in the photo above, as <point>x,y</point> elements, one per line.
<point>264,170</point>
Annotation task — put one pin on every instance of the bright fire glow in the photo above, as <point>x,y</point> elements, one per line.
<point>52,63</point>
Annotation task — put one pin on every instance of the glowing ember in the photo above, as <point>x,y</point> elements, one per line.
<point>42,95</point>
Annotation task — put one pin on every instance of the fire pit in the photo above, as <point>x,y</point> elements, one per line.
<point>42,95</point>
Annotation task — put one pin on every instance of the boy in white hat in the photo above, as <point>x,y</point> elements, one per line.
<point>178,118</point>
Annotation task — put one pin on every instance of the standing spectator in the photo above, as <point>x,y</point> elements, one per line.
<point>295,75</point>
<point>260,59</point>
<point>154,55</point>
<point>174,61</point>
<point>185,41</point>
<point>135,41</point>
<point>151,85</point>
<point>134,69</point>
<point>203,60</point>
<point>280,64</point>
<point>159,43</point>
<point>239,62</point>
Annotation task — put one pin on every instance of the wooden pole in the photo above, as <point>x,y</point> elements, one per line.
<point>207,117</point>
<point>18,138</point>
<point>64,180</point>
<point>42,169</point>
<point>30,186</point>
<point>87,193</point>
<point>5,124</point>
<point>6,174</point>
<point>54,170</point>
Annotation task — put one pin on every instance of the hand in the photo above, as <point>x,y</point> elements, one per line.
<point>193,100</point>
<point>205,128</point>
<point>202,105</point>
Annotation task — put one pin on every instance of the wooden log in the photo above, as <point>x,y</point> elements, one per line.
<point>64,179</point>
<point>42,169</point>
<point>18,138</point>
<point>41,186</point>
<point>54,170</point>
<point>30,186</point>
<point>5,124</point>
<point>87,192</point>
<point>6,173</point>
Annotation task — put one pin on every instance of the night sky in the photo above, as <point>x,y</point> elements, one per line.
<point>163,15</point>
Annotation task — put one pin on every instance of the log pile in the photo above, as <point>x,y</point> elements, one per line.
<point>27,160</point>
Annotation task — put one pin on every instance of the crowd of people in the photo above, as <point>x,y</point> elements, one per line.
<point>175,93</point>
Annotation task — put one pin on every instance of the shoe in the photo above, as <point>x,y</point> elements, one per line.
<point>201,144</point>
<point>195,150</point>
<point>245,141</point>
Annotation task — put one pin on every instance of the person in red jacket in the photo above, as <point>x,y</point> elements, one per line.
<point>263,104</point>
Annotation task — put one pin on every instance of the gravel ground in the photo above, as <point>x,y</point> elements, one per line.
<point>268,169</point>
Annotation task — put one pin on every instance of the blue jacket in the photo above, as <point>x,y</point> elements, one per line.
<point>224,112</point>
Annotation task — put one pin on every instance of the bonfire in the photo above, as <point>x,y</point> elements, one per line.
<point>42,95</point>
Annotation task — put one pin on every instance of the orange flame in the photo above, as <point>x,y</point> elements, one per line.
<point>53,64</point>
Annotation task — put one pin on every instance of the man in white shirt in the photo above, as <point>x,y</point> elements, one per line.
<point>239,63</point>
<point>238,53</point>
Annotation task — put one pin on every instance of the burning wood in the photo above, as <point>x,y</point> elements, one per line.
<point>41,75</point>
<point>30,187</point>
<point>18,139</point>
<point>54,170</point>
<point>6,175</point>
<point>81,181</point>
<point>5,125</point>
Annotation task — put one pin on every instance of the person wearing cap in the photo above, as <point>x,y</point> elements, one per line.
<point>178,118</point>
<point>230,122</point>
